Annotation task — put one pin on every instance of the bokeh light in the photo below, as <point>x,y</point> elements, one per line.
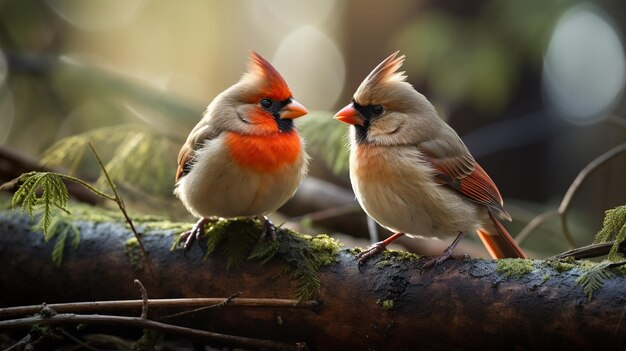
<point>584,67</point>
<point>98,15</point>
<point>313,66</point>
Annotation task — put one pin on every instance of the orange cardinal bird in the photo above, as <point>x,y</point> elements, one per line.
<point>244,158</point>
<point>412,173</point>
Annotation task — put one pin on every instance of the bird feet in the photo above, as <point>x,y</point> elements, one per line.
<point>268,228</point>
<point>434,261</point>
<point>447,253</point>
<point>374,249</point>
<point>191,235</point>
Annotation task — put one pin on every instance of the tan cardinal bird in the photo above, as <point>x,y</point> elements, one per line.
<point>412,173</point>
<point>244,158</point>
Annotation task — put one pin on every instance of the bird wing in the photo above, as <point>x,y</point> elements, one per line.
<point>459,171</point>
<point>198,136</point>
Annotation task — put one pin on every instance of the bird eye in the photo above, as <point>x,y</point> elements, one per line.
<point>266,103</point>
<point>377,109</point>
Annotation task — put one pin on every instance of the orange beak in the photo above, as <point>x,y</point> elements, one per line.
<point>349,115</point>
<point>293,110</point>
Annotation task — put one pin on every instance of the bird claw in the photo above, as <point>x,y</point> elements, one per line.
<point>371,251</point>
<point>437,260</point>
<point>268,228</point>
<point>191,235</point>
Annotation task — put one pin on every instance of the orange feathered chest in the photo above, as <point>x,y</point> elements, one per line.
<point>264,153</point>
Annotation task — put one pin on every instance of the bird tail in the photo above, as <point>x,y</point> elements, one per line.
<point>502,244</point>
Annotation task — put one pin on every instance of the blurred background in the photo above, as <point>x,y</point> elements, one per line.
<point>534,88</point>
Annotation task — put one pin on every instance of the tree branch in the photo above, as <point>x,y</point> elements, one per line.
<point>389,304</point>
<point>138,322</point>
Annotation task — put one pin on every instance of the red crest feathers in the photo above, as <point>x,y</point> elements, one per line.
<point>274,86</point>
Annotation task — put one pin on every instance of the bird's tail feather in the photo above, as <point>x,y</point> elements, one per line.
<point>502,244</point>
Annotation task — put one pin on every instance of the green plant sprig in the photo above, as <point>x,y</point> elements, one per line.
<point>54,194</point>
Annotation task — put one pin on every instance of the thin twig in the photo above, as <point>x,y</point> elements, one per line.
<point>221,304</point>
<point>68,318</point>
<point>616,121</point>
<point>566,202</point>
<point>76,307</point>
<point>578,181</point>
<point>534,224</point>
<point>120,203</point>
<point>144,297</point>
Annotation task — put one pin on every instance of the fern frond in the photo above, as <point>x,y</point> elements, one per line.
<point>302,255</point>
<point>238,247</point>
<point>613,228</point>
<point>59,246</point>
<point>264,251</point>
<point>54,195</point>
<point>592,279</point>
<point>69,150</point>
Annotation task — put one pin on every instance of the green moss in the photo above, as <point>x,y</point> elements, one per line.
<point>385,304</point>
<point>383,264</point>
<point>326,248</point>
<point>514,267</point>
<point>354,251</point>
<point>560,265</point>
<point>546,277</point>
<point>402,256</point>
<point>133,252</point>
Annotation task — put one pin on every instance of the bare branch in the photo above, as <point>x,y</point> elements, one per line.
<point>616,121</point>
<point>221,304</point>
<point>534,224</point>
<point>144,297</point>
<point>577,183</point>
<point>566,202</point>
<point>136,322</point>
<point>76,307</point>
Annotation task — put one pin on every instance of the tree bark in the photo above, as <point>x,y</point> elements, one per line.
<point>465,304</point>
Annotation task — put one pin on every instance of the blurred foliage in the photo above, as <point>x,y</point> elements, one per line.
<point>327,138</point>
<point>614,228</point>
<point>479,58</point>
<point>139,157</point>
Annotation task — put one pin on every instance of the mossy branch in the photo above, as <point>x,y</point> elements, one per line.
<point>387,300</point>
<point>46,191</point>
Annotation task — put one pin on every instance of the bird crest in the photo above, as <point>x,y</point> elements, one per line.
<point>273,84</point>
<point>385,72</point>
